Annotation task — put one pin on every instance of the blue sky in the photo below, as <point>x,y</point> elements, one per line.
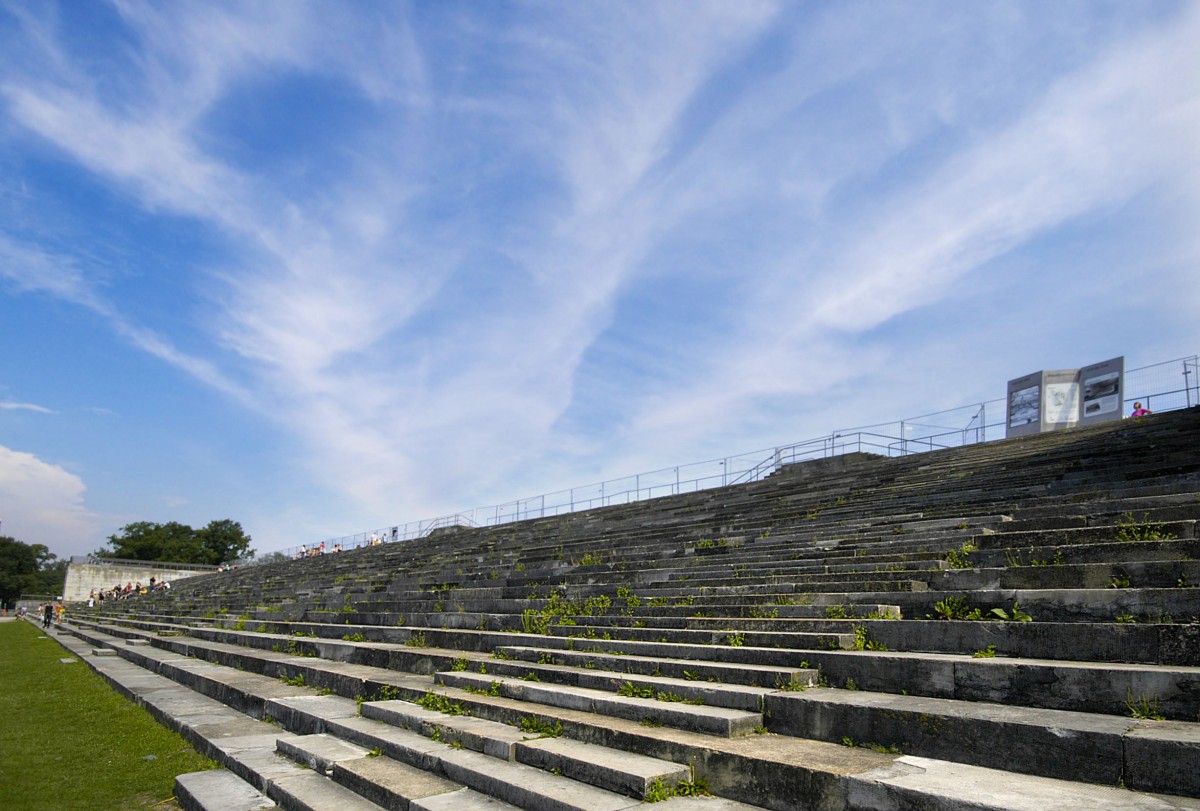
<point>323,267</point>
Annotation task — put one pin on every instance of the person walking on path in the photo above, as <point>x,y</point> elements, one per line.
<point>47,613</point>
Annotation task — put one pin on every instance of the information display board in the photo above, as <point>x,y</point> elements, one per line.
<point>1103,386</point>
<point>1024,405</point>
<point>1061,398</point>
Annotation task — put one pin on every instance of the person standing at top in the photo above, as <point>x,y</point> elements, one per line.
<point>1138,411</point>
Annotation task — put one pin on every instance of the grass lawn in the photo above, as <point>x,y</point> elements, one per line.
<point>68,741</point>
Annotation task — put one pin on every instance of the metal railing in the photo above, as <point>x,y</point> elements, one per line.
<point>1156,386</point>
<point>148,564</point>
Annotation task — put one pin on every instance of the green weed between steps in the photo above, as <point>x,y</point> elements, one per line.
<point>1142,708</point>
<point>874,747</point>
<point>532,725</point>
<point>864,641</point>
<point>957,608</point>
<point>957,558</point>
<point>440,703</point>
<point>50,759</point>
<point>1130,530</point>
<point>697,786</point>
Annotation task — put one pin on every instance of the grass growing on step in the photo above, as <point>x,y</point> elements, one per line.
<point>957,558</point>
<point>532,725</point>
<point>874,747</point>
<point>51,759</point>
<point>1142,708</point>
<point>695,787</point>
<point>417,640</point>
<point>958,608</point>
<point>1014,615</point>
<point>292,649</point>
<point>1130,530</point>
<point>658,791</point>
<point>630,690</point>
<point>387,692</point>
<point>492,690</point>
<point>864,641</point>
<point>986,653</point>
<point>558,607</point>
<point>295,681</point>
<point>1117,582</point>
<point>1057,560</point>
<point>796,683</point>
<point>436,702</point>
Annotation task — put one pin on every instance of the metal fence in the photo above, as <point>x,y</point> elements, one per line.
<point>99,561</point>
<point>1164,386</point>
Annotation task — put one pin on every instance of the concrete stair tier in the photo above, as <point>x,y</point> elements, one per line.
<point>1013,625</point>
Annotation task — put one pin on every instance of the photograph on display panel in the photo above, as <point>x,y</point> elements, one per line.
<point>1024,406</point>
<point>1102,394</point>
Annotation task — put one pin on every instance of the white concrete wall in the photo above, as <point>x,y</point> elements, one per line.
<point>82,577</point>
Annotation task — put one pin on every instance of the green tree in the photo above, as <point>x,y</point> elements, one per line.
<point>224,541</point>
<point>219,542</point>
<point>146,540</point>
<point>28,569</point>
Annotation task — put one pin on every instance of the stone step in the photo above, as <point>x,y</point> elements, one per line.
<point>711,720</point>
<point>1151,574</point>
<point>219,790</point>
<point>519,784</point>
<point>1098,687</point>
<point>1056,605</point>
<point>622,772</point>
<point>243,745</point>
<point>1094,748</point>
<point>686,669</point>
<point>295,787</point>
<point>1162,642</point>
<point>711,693</point>
<point>380,779</point>
<point>989,556</point>
<point>309,791</point>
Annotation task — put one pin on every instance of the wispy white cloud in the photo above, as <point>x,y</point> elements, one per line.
<point>1090,142</point>
<point>29,269</point>
<point>437,301</point>
<point>9,405</point>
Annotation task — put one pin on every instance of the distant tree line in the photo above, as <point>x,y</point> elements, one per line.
<point>28,568</point>
<point>32,569</point>
<point>220,542</point>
